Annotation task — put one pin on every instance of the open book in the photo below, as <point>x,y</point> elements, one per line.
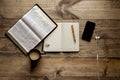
<point>65,38</point>
<point>31,29</point>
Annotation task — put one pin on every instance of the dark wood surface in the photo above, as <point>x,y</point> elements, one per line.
<point>65,66</point>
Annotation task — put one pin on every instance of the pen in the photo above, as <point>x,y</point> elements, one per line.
<point>73,33</point>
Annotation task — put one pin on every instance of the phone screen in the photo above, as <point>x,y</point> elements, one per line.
<point>88,31</point>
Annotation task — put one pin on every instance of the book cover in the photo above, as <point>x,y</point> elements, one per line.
<point>31,29</point>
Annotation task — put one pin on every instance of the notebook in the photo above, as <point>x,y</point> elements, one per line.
<point>31,29</point>
<point>65,38</point>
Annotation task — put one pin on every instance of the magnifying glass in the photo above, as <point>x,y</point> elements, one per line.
<point>34,56</point>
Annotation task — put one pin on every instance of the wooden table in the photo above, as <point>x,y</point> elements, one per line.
<point>65,66</point>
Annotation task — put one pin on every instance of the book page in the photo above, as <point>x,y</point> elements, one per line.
<point>68,43</point>
<point>24,36</point>
<point>53,42</point>
<point>38,22</point>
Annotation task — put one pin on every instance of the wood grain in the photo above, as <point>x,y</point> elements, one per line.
<point>59,67</point>
<point>65,66</point>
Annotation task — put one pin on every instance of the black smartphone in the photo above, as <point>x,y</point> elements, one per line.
<point>88,31</point>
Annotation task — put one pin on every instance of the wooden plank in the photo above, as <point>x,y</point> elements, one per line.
<point>109,46</point>
<point>87,78</point>
<point>96,9</point>
<point>52,67</point>
<point>22,78</point>
<point>104,9</point>
<point>59,78</point>
<point>7,45</point>
<point>106,28</point>
<point>112,69</point>
<point>65,66</point>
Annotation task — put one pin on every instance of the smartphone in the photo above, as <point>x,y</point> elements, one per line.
<point>88,31</point>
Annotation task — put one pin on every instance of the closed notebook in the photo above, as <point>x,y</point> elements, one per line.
<point>65,38</point>
<point>31,29</point>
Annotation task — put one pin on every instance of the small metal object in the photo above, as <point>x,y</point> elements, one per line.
<point>97,37</point>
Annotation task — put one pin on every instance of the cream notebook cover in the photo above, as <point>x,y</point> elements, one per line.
<point>63,39</point>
